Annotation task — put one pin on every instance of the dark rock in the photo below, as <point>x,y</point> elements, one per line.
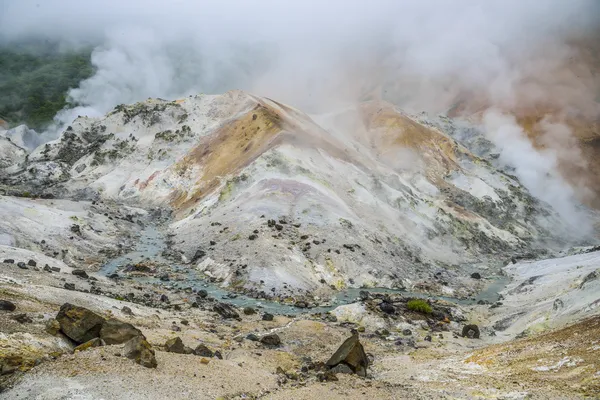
<point>558,304</point>
<point>267,317</point>
<point>76,229</point>
<point>428,338</point>
<point>69,286</point>
<point>272,339</point>
<point>352,353</point>
<point>22,319</point>
<point>6,305</point>
<point>363,295</point>
<point>476,275</point>
<point>226,311</point>
<point>78,323</point>
<point>252,337</point>
<point>249,311</point>
<point>9,261</point>
<point>164,298</point>
<point>252,237</point>
<point>387,307</point>
<point>588,278</point>
<point>202,293</point>
<point>382,332</point>
<point>407,332</point>
<point>22,265</point>
<point>301,304</point>
<point>80,273</point>
<point>126,310</point>
<point>212,243</point>
<point>471,331</point>
<point>141,351</point>
<point>198,255</point>
<point>164,278</point>
<point>203,351</point>
<point>55,269</point>
<point>47,268</point>
<point>327,376</point>
<point>31,263</point>
<point>218,355</point>
<point>114,331</point>
<point>175,345</point>
<point>278,227</point>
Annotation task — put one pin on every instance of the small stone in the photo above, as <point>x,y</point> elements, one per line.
<point>52,327</point>
<point>252,337</point>
<point>407,332</point>
<point>218,355</point>
<point>342,368</point>
<point>203,351</point>
<point>69,286</point>
<point>226,311</point>
<point>476,275</point>
<point>267,317</point>
<point>47,268</point>
<point>382,332</point>
<point>360,329</point>
<point>6,305</point>
<point>9,261</point>
<point>202,293</point>
<point>80,273</point>
<point>204,361</point>
<point>387,308</point>
<point>126,310</point>
<point>428,338</point>
<point>252,237</point>
<point>175,345</point>
<point>55,269</point>
<point>31,263</point>
<point>22,265</point>
<point>272,339</point>
<point>185,322</point>
<point>249,311</point>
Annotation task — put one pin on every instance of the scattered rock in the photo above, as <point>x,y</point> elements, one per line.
<point>226,311</point>
<point>202,293</point>
<point>175,345</point>
<point>252,237</point>
<point>471,331</point>
<point>116,332</point>
<point>352,353</point>
<point>342,368</point>
<point>428,338</point>
<point>78,323</point>
<point>271,339</point>
<point>69,286</point>
<point>141,351</point>
<point>203,351</point>
<point>31,263</point>
<point>407,332</point>
<point>476,275</point>
<point>267,317</point>
<point>6,305</point>
<point>80,273</point>
<point>204,361</point>
<point>218,355</point>
<point>22,265</point>
<point>55,269</point>
<point>249,311</point>
<point>76,229</point>
<point>126,310</point>
<point>252,337</point>
<point>22,318</point>
<point>387,307</point>
<point>9,261</point>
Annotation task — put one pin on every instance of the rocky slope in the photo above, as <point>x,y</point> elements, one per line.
<point>266,198</point>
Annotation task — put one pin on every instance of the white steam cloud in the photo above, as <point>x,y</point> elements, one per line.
<point>489,58</point>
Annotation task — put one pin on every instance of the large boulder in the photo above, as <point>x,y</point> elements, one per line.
<point>116,332</point>
<point>139,350</point>
<point>351,353</point>
<point>6,305</point>
<point>78,323</point>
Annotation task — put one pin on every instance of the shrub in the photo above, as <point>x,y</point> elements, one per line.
<point>419,305</point>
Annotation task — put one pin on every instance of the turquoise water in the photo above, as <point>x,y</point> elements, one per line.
<point>152,243</point>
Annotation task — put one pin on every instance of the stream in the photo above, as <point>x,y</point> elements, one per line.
<point>152,242</point>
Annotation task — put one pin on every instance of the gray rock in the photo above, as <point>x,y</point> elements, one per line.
<point>69,286</point>
<point>31,263</point>
<point>114,331</point>
<point>22,265</point>
<point>342,368</point>
<point>387,307</point>
<point>202,293</point>
<point>352,353</point>
<point>252,337</point>
<point>9,261</point>
<point>476,275</point>
<point>249,311</point>
<point>126,310</point>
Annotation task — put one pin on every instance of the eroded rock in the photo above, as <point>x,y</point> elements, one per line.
<point>352,354</point>
<point>139,350</point>
<point>78,323</point>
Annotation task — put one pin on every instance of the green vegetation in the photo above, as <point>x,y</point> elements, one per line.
<point>35,78</point>
<point>419,305</point>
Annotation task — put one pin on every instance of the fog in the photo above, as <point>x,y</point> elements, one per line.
<point>490,59</point>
